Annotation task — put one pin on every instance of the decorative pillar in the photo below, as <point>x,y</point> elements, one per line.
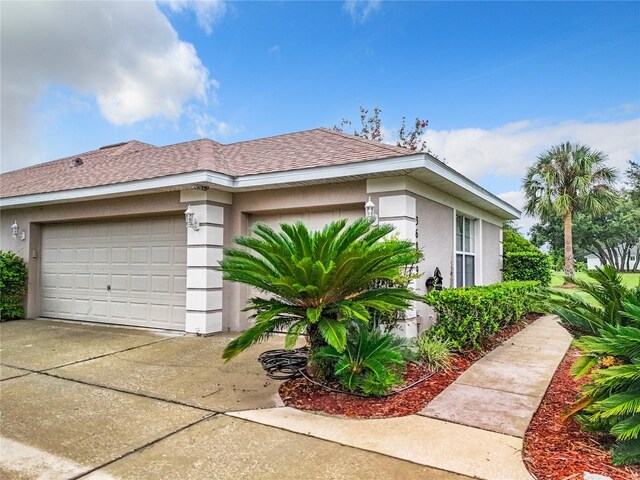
<point>204,314</point>
<point>400,211</point>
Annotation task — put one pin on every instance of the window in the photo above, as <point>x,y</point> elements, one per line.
<point>465,252</point>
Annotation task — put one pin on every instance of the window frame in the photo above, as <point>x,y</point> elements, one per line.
<point>468,241</point>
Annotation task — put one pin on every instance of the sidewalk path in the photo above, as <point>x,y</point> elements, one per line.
<point>474,427</point>
<point>502,391</point>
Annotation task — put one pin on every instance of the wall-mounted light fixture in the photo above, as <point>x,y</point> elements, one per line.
<point>191,220</point>
<point>369,212</point>
<point>16,232</point>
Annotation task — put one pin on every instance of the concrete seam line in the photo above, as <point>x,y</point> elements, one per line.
<point>121,390</point>
<point>102,356</point>
<point>142,447</point>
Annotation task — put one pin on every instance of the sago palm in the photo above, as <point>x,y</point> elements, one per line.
<point>565,178</point>
<point>583,315</point>
<point>610,401</point>
<point>316,282</point>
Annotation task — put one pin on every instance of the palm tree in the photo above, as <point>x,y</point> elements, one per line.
<point>317,282</point>
<point>565,178</point>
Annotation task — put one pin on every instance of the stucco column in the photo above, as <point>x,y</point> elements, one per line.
<point>400,211</point>
<point>204,312</point>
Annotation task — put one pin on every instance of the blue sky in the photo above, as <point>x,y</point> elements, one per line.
<point>499,82</point>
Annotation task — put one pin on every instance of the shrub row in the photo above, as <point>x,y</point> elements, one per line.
<point>527,266</point>
<point>467,316</point>
<point>13,285</point>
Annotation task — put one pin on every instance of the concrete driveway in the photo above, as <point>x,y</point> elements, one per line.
<point>98,402</point>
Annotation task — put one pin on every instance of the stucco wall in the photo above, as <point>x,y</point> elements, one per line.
<point>435,238</point>
<point>491,257</point>
<point>307,198</point>
<point>31,218</point>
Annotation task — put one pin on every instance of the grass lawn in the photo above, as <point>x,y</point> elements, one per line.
<point>628,279</point>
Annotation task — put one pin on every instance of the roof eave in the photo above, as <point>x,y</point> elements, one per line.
<point>400,165</point>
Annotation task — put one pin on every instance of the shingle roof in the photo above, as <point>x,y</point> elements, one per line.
<point>135,160</point>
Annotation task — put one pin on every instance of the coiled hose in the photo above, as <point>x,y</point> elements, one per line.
<point>289,364</point>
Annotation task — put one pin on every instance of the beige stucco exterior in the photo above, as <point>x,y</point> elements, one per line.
<point>213,305</point>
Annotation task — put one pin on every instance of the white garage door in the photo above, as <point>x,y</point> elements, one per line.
<point>314,220</point>
<point>129,272</point>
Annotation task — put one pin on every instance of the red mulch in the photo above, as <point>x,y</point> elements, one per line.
<point>301,394</point>
<point>558,450</point>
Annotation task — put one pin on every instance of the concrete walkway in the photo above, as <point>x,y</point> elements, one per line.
<point>87,401</point>
<point>503,390</point>
<point>474,427</point>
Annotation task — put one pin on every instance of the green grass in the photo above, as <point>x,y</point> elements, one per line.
<point>557,279</point>
<point>628,279</point>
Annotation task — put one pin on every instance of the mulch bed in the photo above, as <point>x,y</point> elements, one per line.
<point>301,394</point>
<point>558,450</point>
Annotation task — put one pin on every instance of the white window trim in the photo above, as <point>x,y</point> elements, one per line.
<point>477,243</point>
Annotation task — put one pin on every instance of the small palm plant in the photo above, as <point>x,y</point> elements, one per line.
<point>317,282</point>
<point>582,316</point>
<point>610,401</point>
<point>372,362</point>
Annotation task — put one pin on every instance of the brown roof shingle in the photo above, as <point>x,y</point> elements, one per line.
<point>135,160</point>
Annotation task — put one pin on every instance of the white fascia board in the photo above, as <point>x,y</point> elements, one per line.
<point>385,165</point>
<point>132,188</point>
<point>450,174</point>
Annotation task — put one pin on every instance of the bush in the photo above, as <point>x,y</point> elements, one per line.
<point>610,400</point>
<point>604,307</point>
<point>13,285</point>
<point>434,350</point>
<point>468,316</point>
<point>513,242</point>
<point>527,266</point>
<point>372,363</point>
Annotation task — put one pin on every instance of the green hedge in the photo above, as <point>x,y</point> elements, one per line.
<point>13,285</point>
<point>467,316</point>
<point>525,266</point>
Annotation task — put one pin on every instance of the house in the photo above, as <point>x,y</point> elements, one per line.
<point>593,261</point>
<point>105,240</point>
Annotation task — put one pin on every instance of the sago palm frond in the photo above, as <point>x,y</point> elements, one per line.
<point>317,281</point>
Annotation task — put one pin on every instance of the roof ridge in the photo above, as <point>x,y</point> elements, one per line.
<point>373,143</point>
<point>272,136</point>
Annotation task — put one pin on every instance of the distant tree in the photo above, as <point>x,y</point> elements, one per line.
<point>611,236</point>
<point>633,182</point>
<point>371,125</point>
<point>371,129</point>
<point>564,179</point>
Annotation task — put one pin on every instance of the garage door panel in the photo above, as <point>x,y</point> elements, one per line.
<point>144,262</point>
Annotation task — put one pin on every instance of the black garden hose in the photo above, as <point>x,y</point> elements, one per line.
<point>289,364</point>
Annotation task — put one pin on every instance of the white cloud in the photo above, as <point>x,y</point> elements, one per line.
<point>508,150</point>
<point>207,126</point>
<point>361,9</point>
<point>516,198</point>
<point>208,12</point>
<point>125,54</point>
<point>275,49</point>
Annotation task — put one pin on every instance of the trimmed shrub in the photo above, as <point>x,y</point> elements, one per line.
<point>526,266</point>
<point>468,316</point>
<point>513,242</point>
<point>13,285</point>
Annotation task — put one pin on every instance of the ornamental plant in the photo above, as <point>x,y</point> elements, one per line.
<point>468,316</point>
<point>372,363</point>
<point>13,285</point>
<point>610,400</point>
<point>316,282</point>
